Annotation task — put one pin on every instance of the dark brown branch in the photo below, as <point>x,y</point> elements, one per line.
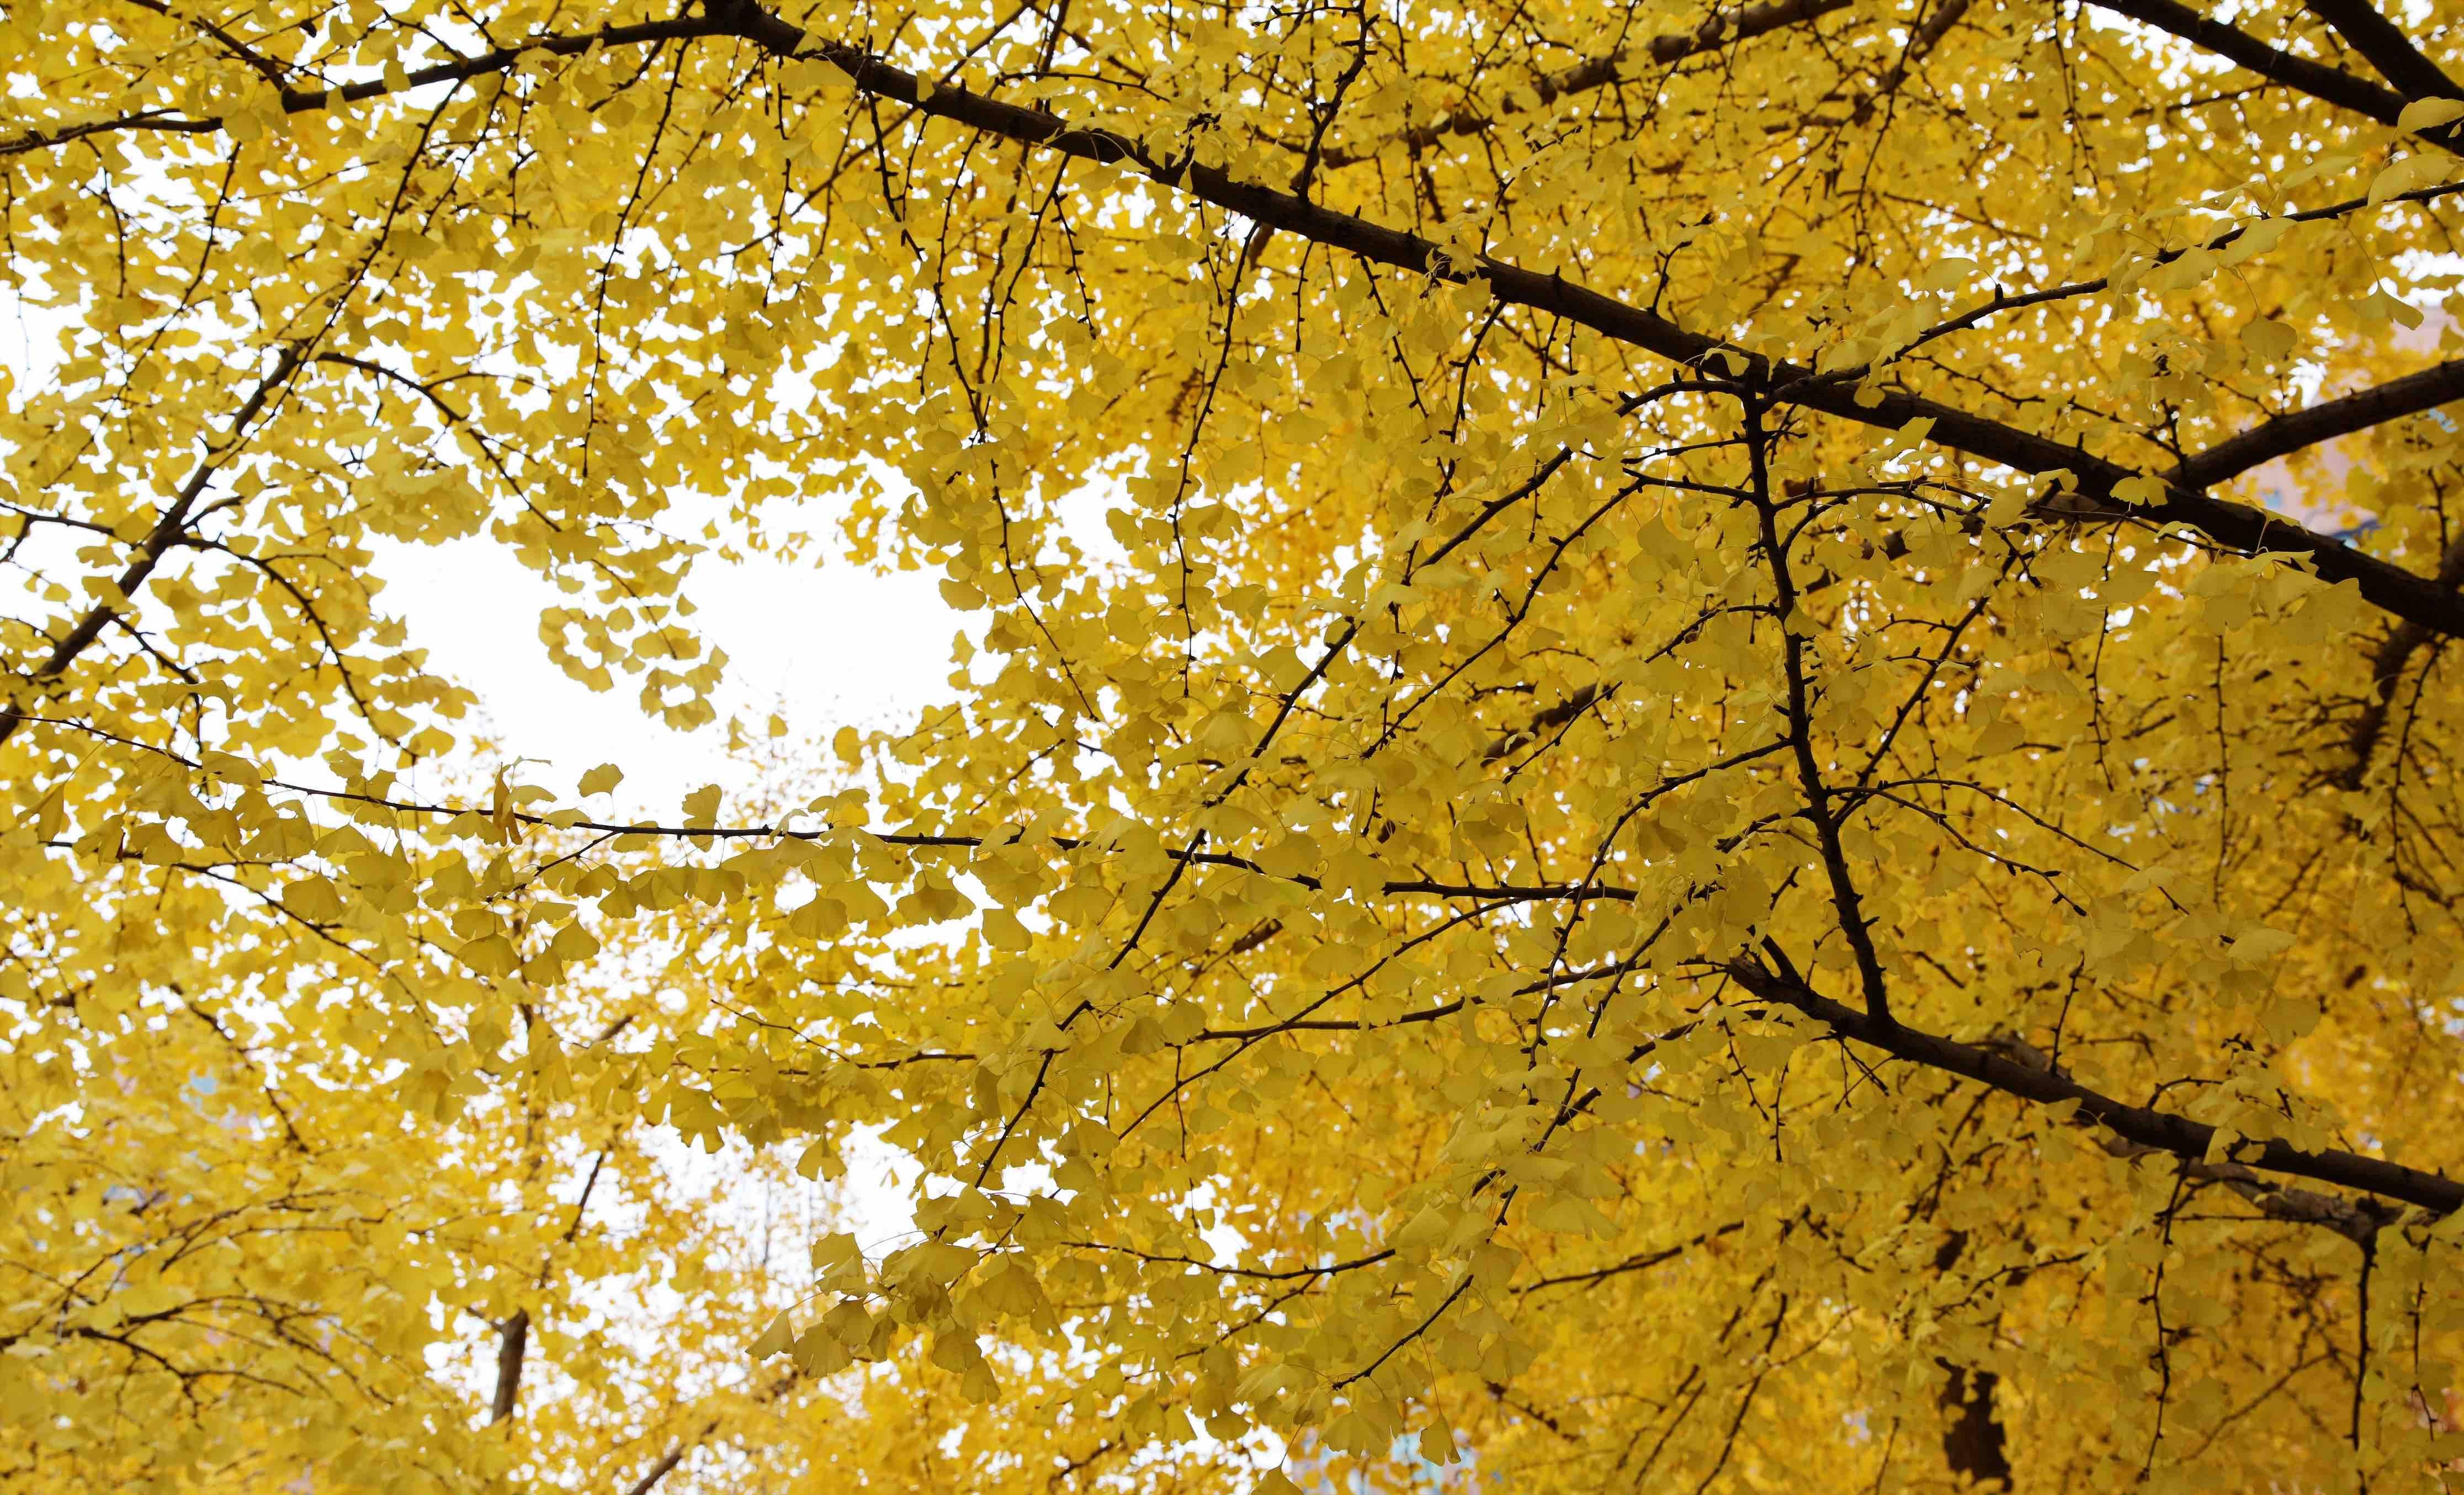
<point>2387,664</point>
<point>2376,38</point>
<point>2003,300</point>
<point>676,1454</point>
<point>2236,525</point>
<point>2157,1130</point>
<point>1641,1263</point>
<point>298,101</point>
<point>2358,1220</point>
<point>257,62</point>
<point>166,532</point>
<point>658,1471</point>
<point>1509,893</point>
<point>583,1204</point>
<point>512,1339</point>
<point>1928,34</point>
<point>1972,1443</point>
<point>1819,806</point>
<point>161,119</point>
<point>2359,411</point>
<point>303,100</point>
<point>2318,80</point>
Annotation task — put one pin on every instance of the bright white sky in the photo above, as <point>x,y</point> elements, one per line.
<point>827,644</point>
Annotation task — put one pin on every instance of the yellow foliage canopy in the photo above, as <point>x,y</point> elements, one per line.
<point>1639,784</point>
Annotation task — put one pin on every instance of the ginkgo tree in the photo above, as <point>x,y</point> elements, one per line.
<point>1636,795</point>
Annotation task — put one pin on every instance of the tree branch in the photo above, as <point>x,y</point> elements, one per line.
<point>2236,525</point>
<point>1552,717</point>
<point>1928,34</point>
<point>1972,1444</point>
<point>2157,1130</point>
<point>2318,80</point>
<point>2359,411</point>
<point>658,1471</point>
<point>166,532</point>
<point>2356,1219</point>
<point>676,1454</point>
<point>2376,38</point>
<point>2387,664</point>
<point>1818,805</point>
<point>512,1339</point>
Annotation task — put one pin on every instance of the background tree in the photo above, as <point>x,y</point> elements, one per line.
<point>1626,788</point>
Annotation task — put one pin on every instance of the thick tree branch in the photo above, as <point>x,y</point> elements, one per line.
<point>2158,1131</point>
<point>2387,664</point>
<point>666,1462</point>
<point>1973,1441</point>
<point>1928,34</point>
<point>2359,411</point>
<point>2376,38</point>
<point>304,101</point>
<point>2318,80</point>
<point>513,1339</point>
<point>2236,525</point>
<point>2356,1219</point>
<point>2239,526</point>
